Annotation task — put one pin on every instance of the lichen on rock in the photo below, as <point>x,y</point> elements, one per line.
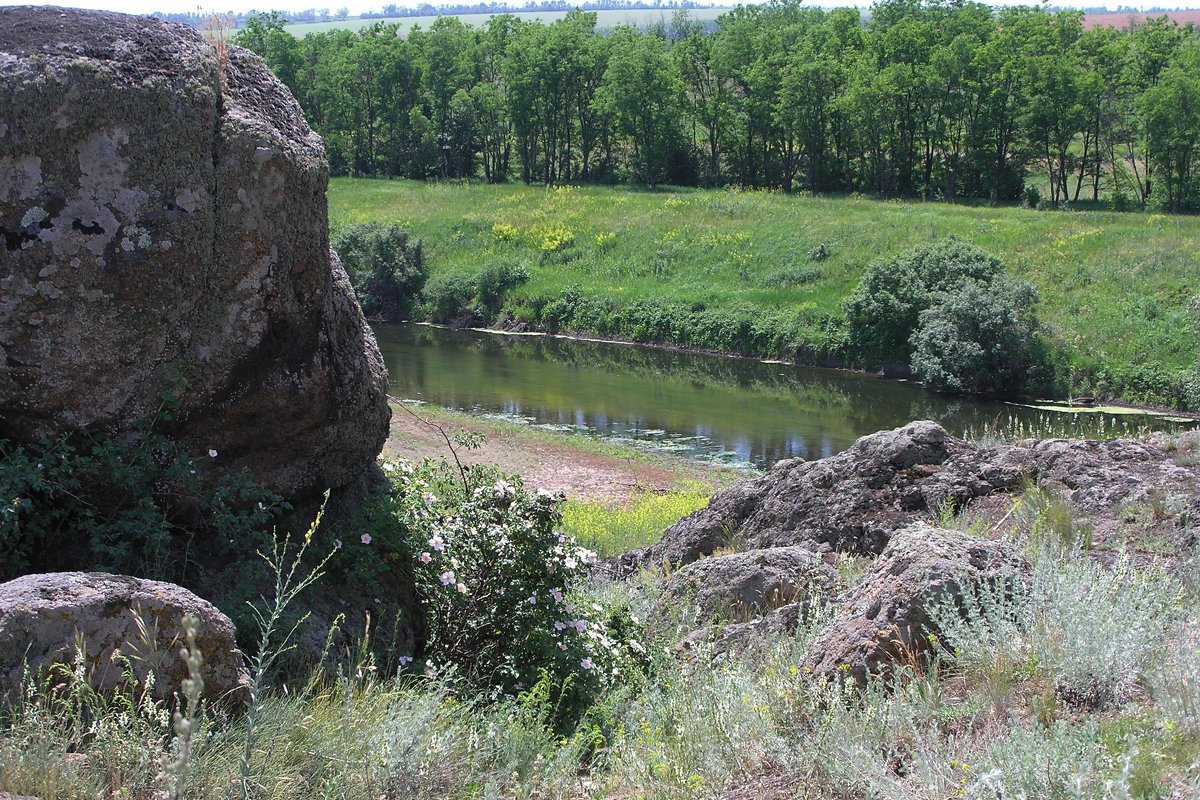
<point>163,217</point>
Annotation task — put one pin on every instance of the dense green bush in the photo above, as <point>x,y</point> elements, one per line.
<point>447,296</point>
<point>386,267</point>
<point>977,338</point>
<point>883,311</point>
<point>493,283</point>
<point>452,296</point>
<point>501,586</point>
<point>948,310</point>
<point>137,507</point>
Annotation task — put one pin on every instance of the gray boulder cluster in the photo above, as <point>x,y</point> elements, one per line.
<point>755,561</point>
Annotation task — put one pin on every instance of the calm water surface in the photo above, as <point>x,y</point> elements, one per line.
<point>711,408</point>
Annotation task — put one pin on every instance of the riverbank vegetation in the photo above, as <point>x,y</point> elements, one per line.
<point>1081,685</point>
<point>767,274</point>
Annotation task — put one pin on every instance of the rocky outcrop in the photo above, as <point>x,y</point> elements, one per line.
<point>886,619</point>
<point>740,586</point>
<point>163,220</point>
<point>745,638</point>
<point>854,501</point>
<point>851,502</point>
<point>43,617</point>
<point>877,499</point>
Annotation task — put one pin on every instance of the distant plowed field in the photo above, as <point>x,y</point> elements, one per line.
<point>1124,19</point>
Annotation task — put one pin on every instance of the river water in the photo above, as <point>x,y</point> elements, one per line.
<point>709,408</point>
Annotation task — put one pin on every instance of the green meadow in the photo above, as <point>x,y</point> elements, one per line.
<point>1114,287</point>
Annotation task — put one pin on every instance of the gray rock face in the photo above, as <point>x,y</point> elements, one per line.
<point>885,619</point>
<point>163,217</point>
<point>744,585</point>
<point>854,501</point>
<point>745,638</point>
<point>42,617</point>
<point>851,502</point>
<point>877,498</point>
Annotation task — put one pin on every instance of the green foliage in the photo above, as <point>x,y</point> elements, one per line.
<point>885,309</point>
<point>977,339</point>
<point>612,531</point>
<point>386,267</point>
<point>948,308</point>
<point>493,283</point>
<point>453,296</point>
<point>921,100</point>
<point>792,276</point>
<point>134,506</point>
<point>447,296</point>
<point>501,587</point>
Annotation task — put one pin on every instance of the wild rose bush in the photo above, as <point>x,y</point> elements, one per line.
<point>501,586</point>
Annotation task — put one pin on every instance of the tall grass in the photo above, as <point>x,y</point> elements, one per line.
<point>613,529</point>
<point>1101,666</point>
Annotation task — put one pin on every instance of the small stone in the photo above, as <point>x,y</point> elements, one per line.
<point>42,617</point>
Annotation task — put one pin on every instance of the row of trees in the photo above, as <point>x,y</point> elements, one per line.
<point>952,99</point>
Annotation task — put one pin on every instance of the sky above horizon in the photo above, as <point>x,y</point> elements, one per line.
<point>360,6</point>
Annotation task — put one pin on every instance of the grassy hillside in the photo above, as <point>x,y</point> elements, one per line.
<point>1114,286</point>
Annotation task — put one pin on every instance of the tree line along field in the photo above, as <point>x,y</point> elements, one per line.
<point>605,20</point>
<point>1114,287</point>
<point>957,101</point>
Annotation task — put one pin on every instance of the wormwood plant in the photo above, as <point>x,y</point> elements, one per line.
<point>185,721</point>
<point>269,616</point>
<point>1090,630</point>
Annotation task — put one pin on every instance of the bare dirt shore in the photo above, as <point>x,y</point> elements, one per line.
<point>582,469</point>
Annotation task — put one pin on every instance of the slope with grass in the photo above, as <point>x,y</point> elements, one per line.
<point>1114,286</point>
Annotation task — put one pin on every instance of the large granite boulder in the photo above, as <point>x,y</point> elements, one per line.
<point>43,617</point>
<point>886,619</point>
<point>163,219</point>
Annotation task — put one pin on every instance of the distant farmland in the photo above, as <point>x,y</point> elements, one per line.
<point>1125,19</point>
<point>644,17</point>
<point>641,17</point>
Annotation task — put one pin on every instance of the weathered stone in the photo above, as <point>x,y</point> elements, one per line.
<point>740,586</point>
<point>744,638</point>
<point>42,617</point>
<point>851,502</point>
<point>163,217</point>
<point>885,620</point>
<point>855,500</point>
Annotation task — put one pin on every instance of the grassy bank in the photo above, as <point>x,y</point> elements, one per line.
<point>618,496</point>
<point>765,274</point>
